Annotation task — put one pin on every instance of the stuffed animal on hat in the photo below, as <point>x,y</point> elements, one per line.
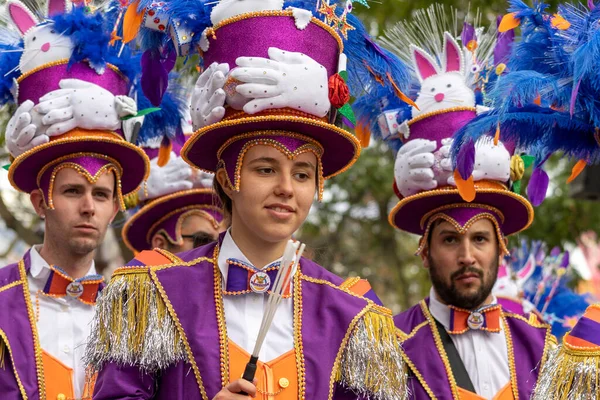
<point>76,103</point>
<point>448,87</point>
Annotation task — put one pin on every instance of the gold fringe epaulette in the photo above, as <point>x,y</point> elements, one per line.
<point>569,373</point>
<point>371,362</point>
<point>132,325</point>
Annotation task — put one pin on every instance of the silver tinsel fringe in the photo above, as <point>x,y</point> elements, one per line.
<point>569,377</point>
<point>151,346</point>
<point>372,364</point>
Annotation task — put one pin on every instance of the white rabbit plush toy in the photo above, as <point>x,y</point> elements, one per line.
<point>76,104</point>
<point>444,103</point>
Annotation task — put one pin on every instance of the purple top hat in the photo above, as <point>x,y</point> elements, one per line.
<point>251,35</point>
<point>127,158</point>
<point>166,214</point>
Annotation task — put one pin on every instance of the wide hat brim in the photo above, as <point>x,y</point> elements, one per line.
<point>23,171</point>
<point>135,230</point>
<point>409,212</point>
<point>340,148</point>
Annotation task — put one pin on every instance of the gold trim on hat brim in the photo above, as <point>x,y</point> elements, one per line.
<point>303,125</point>
<point>453,196</point>
<point>38,151</point>
<point>145,210</point>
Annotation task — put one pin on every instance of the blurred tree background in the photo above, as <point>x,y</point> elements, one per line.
<point>349,231</point>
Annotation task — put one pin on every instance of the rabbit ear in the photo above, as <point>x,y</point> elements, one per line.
<point>20,15</point>
<point>425,65</point>
<point>56,7</point>
<point>453,57</point>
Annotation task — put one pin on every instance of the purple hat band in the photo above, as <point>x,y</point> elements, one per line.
<point>441,125</point>
<point>40,81</point>
<point>253,35</point>
<point>91,166</point>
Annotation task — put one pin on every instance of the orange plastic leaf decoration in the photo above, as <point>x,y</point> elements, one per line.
<point>509,22</point>
<point>560,23</point>
<point>132,22</point>
<point>577,168</point>
<point>466,189</point>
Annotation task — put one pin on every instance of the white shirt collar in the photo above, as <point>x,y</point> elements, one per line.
<point>39,268</point>
<point>229,250</point>
<point>440,311</point>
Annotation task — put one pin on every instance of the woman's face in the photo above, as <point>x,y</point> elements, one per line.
<point>275,194</point>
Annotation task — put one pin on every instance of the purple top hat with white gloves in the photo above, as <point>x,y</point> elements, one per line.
<point>282,91</point>
<point>447,77</point>
<point>80,104</point>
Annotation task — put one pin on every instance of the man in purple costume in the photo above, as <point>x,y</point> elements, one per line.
<point>459,343</point>
<point>183,326</point>
<point>76,181</point>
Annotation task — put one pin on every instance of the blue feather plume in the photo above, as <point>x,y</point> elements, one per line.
<point>11,46</point>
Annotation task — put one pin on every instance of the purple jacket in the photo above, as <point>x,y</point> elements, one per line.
<point>19,379</point>
<point>325,315</point>
<point>428,377</point>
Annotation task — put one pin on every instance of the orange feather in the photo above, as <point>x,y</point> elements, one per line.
<point>132,22</point>
<point>577,168</point>
<point>401,95</point>
<point>560,23</point>
<point>509,22</point>
<point>164,154</point>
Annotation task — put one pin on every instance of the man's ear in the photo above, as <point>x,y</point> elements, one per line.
<point>223,180</point>
<point>37,200</point>
<point>501,255</point>
<point>115,210</point>
<point>425,257</point>
<point>159,241</point>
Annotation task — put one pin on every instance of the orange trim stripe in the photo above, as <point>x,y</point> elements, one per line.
<point>577,342</point>
<point>593,313</point>
<point>361,287</point>
<point>151,257</point>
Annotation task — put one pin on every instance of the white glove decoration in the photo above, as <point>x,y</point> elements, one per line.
<point>208,98</point>
<point>413,168</point>
<point>491,162</point>
<point>171,178</point>
<point>443,163</point>
<point>21,133</point>
<point>286,79</point>
<point>80,104</point>
<point>125,106</point>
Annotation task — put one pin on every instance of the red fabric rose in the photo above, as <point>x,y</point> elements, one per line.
<point>338,91</point>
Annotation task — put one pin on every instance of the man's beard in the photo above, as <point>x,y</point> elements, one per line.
<point>450,295</point>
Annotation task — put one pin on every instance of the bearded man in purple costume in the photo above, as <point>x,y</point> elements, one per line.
<point>183,326</point>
